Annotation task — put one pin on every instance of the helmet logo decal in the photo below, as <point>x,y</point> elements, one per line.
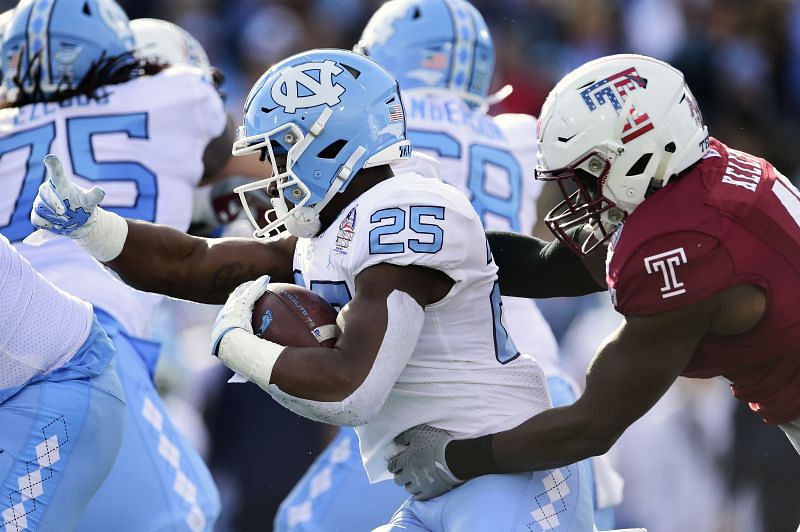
<point>613,91</point>
<point>381,26</point>
<point>64,58</point>
<point>297,89</point>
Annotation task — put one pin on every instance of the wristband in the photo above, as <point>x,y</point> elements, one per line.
<point>472,458</point>
<point>107,237</point>
<point>249,356</point>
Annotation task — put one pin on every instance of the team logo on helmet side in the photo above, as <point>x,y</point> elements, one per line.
<point>381,27</point>
<point>298,88</point>
<point>613,91</point>
<point>64,59</point>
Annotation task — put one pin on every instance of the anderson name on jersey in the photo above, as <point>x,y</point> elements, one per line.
<point>490,159</point>
<point>732,219</point>
<point>465,375</point>
<point>143,144</point>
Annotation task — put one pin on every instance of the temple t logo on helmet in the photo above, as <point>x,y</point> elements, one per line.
<point>612,133</point>
<point>297,89</point>
<point>613,91</point>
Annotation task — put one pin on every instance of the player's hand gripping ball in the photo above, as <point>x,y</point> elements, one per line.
<point>291,315</point>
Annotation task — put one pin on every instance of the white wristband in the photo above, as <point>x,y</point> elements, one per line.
<point>107,238</point>
<point>249,356</point>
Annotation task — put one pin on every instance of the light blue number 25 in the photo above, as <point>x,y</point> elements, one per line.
<point>417,224</point>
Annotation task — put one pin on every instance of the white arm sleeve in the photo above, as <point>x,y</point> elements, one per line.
<point>404,324</point>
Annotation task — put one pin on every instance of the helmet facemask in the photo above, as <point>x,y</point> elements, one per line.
<point>301,219</point>
<point>581,185</point>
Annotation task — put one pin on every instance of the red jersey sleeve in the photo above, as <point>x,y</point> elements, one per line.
<point>668,272</point>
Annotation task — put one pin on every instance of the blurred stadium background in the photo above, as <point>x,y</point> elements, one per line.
<point>698,462</point>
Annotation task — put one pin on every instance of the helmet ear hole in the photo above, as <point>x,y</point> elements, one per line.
<point>86,10</point>
<point>332,150</point>
<point>353,71</point>
<point>640,165</point>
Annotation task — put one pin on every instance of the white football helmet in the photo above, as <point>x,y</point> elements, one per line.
<point>617,128</point>
<point>167,43</point>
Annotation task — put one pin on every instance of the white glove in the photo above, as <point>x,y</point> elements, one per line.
<point>421,467</point>
<point>232,338</point>
<point>238,310</point>
<point>62,207</point>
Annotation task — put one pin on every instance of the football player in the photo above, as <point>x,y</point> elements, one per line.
<point>62,409</point>
<point>441,53</point>
<point>75,89</point>
<point>702,247</point>
<point>403,255</point>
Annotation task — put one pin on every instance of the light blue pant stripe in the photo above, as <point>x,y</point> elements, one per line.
<point>58,441</point>
<point>159,482</point>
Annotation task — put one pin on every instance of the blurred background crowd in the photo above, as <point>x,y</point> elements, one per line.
<point>697,461</point>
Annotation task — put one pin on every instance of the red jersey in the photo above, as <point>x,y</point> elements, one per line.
<point>732,219</point>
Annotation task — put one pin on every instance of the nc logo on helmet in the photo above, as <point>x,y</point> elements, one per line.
<point>296,89</point>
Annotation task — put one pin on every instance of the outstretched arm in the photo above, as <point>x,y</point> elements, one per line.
<point>150,257</point>
<point>632,370</point>
<point>160,259</point>
<point>531,267</point>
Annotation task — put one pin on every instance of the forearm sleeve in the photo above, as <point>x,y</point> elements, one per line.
<point>530,267</point>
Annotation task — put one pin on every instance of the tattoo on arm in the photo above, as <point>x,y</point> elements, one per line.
<point>230,275</point>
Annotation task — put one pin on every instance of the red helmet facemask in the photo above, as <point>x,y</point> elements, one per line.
<point>583,203</point>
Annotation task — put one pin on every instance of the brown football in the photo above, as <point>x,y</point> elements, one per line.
<point>294,316</point>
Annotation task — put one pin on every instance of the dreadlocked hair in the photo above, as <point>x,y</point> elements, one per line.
<point>105,71</point>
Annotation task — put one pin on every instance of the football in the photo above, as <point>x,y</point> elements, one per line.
<point>294,316</point>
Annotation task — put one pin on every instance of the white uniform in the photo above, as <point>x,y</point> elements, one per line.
<point>27,348</point>
<point>491,160</point>
<point>456,378</point>
<point>143,144</point>
<point>61,408</point>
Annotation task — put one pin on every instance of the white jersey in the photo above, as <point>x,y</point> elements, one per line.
<point>41,327</point>
<point>491,160</point>
<point>465,375</point>
<point>143,144</point>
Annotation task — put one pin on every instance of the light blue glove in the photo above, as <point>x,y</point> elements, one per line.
<point>238,311</point>
<point>63,207</point>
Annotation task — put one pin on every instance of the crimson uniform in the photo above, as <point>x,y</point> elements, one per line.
<point>732,219</point>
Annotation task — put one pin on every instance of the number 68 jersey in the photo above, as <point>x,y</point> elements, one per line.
<point>143,143</point>
<point>465,375</point>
